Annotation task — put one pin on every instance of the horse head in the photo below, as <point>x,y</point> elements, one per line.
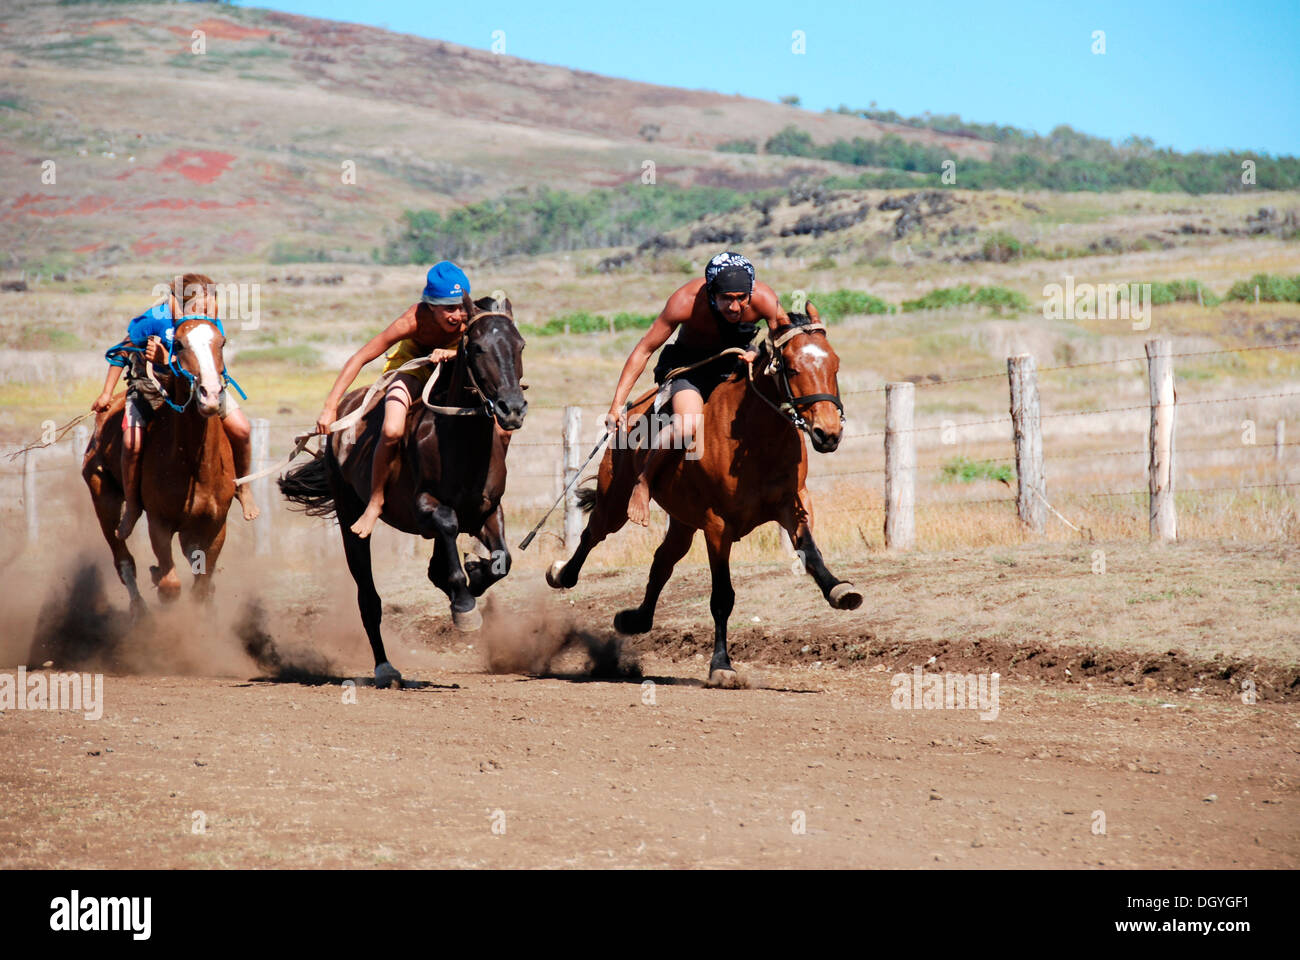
<point>803,367</point>
<point>197,355</point>
<point>493,359</point>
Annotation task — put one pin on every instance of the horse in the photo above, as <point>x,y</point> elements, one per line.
<point>187,469</point>
<point>448,477</point>
<point>751,468</point>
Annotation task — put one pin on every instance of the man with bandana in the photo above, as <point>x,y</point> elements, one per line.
<point>719,311</point>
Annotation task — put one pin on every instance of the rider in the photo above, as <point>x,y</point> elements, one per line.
<point>431,328</point>
<point>719,311</point>
<point>149,337</point>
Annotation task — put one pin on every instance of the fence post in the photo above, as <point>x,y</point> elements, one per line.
<point>1279,439</point>
<point>80,438</point>
<point>900,467</point>
<point>572,463</point>
<point>29,496</point>
<point>1163,521</point>
<point>261,443</point>
<point>1027,431</point>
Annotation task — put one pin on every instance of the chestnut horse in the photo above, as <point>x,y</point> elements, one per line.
<point>751,468</point>
<point>187,470</point>
<point>447,479</point>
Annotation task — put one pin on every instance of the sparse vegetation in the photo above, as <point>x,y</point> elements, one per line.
<point>966,470</point>
<point>996,298</point>
<point>834,305</point>
<point>1273,288</point>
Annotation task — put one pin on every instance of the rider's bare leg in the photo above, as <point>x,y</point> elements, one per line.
<point>397,402</point>
<point>238,432</point>
<point>132,507</point>
<point>688,405</point>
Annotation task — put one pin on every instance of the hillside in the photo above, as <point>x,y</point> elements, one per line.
<point>238,151</point>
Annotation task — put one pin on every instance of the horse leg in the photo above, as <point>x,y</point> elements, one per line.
<point>613,488</point>
<point>446,572</point>
<point>164,573</point>
<point>201,548</point>
<point>357,552</point>
<point>798,523</point>
<point>483,573</point>
<point>107,499</point>
<point>721,601</point>
<point>676,542</point>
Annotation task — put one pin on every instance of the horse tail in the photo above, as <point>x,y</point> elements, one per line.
<point>309,485</point>
<point>586,498</point>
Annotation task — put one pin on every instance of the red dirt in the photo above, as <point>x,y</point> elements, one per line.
<point>223,30</point>
<point>197,166</point>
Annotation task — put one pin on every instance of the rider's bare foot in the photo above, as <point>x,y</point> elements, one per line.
<point>638,505</point>
<point>130,514</point>
<point>251,511</point>
<point>365,524</point>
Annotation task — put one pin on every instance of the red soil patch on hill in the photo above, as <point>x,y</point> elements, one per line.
<point>144,246</point>
<point>198,166</point>
<point>177,203</point>
<point>224,30</point>
<point>82,208</point>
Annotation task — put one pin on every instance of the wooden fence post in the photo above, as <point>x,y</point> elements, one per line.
<point>261,443</point>
<point>572,463</point>
<point>29,496</point>
<point>1163,521</point>
<point>900,467</point>
<point>1027,431</point>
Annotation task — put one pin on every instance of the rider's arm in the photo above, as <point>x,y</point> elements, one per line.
<point>654,338</point>
<point>399,329</point>
<point>110,384</point>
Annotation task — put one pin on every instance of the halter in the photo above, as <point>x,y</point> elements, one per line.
<point>790,405</point>
<point>178,371</point>
<point>486,406</point>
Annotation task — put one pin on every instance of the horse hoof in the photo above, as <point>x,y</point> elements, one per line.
<point>386,675</point>
<point>844,597</point>
<point>632,621</point>
<point>553,574</point>
<point>724,680</point>
<point>467,622</point>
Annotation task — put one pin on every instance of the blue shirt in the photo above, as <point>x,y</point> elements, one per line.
<point>154,322</point>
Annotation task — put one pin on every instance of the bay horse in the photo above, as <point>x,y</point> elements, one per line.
<point>752,468</point>
<point>187,469</point>
<point>447,478</point>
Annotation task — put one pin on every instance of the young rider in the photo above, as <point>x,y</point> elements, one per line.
<point>431,328</point>
<point>149,337</point>
<point>719,311</point>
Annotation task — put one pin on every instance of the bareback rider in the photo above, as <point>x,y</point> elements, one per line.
<point>149,338</point>
<point>719,311</point>
<point>431,328</point>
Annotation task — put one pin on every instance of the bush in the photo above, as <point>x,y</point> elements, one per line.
<point>584,322</point>
<point>996,298</point>
<point>835,305</point>
<point>1273,288</point>
<point>1183,291</point>
<point>738,146</point>
<point>966,470</point>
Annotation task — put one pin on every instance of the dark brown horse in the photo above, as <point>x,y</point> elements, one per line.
<point>751,469</point>
<point>187,471</point>
<point>448,478</point>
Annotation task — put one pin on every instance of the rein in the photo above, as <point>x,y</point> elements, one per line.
<point>790,406</point>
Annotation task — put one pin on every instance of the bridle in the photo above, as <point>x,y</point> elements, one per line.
<point>790,405</point>
<point>177,371</point>
<point>486,406</point>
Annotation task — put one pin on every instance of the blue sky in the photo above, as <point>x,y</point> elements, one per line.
<point>1191,75</point>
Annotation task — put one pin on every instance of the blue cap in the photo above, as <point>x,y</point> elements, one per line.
<point>447,284</point>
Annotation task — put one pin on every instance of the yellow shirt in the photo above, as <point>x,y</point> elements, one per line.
<point>404,351</point>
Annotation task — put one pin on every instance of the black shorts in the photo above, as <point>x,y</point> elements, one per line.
<point>702,379</point>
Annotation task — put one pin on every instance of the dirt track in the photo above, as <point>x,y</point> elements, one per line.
<point>583,772</point>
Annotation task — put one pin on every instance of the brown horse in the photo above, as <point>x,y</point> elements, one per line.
<point>751,468</point>
<point>448,478</point>
<point>187,470</point>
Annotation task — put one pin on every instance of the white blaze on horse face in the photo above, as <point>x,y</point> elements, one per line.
<point>814,351</point>
<point>199,340</point>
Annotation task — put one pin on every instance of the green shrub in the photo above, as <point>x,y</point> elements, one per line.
<point>738,146</point>
<point>1273,288</point>
<point>584,322</point>
<point>835,305</point>
<point>995,298</point>
<point>966,470</point>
